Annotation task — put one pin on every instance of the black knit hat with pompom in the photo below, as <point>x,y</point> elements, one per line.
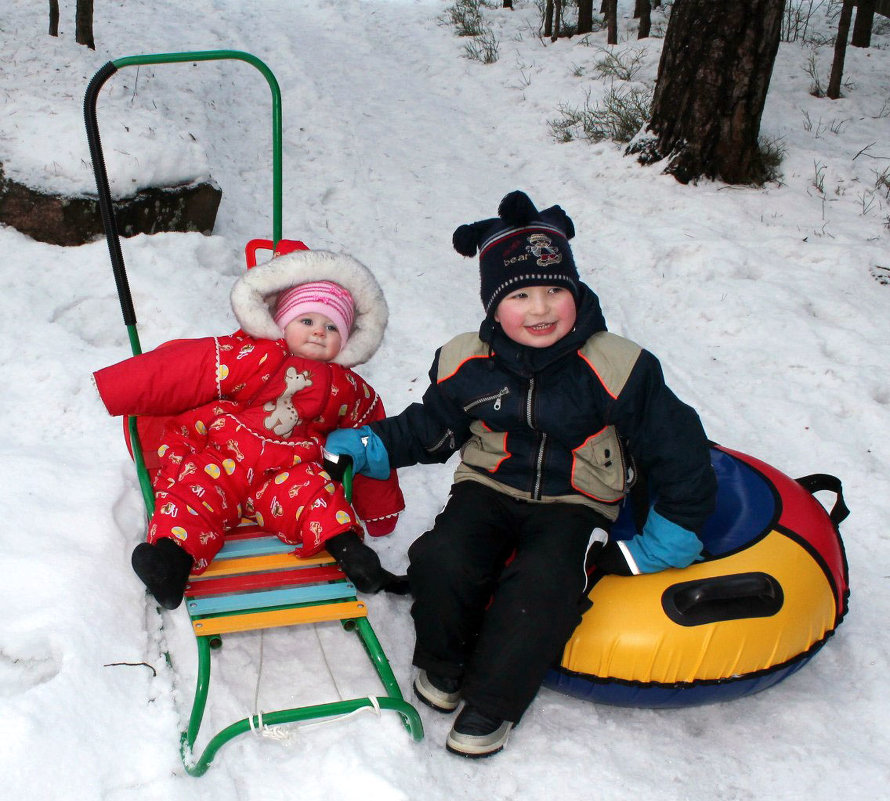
<point>520,247</point>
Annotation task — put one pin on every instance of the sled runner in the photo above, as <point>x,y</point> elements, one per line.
<point>256,581</point>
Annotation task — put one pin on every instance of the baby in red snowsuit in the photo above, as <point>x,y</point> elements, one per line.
<point>248,415</point>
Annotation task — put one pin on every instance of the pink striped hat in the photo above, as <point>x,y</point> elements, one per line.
<point>323,297</point>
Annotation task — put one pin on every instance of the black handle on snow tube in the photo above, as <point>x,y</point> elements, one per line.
<point>732,597</point>
<point>105,206</point>
<point>824,481</point>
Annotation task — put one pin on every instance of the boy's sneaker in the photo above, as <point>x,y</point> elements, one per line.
<point>442,693</point>
<point>475,734</point>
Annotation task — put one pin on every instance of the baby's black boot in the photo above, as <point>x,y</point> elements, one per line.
<point>362,566</point>
<point>164,568</point>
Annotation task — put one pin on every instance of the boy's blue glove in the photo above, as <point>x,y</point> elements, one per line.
<point>663,544</point>
<point>368,453</point>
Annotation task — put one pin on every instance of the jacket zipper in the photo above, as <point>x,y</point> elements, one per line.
<point>539,468</point>
<point>542,441</point>
<point>496,397</point>
<point>448,437</point>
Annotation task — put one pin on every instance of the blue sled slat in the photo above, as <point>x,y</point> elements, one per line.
<point>271,598</point>
<point>258,546</point>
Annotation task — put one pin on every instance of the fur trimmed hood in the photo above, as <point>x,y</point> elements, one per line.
<point>254,295</point>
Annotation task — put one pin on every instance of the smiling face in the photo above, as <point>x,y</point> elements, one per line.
<point>537,316</point>
<point>313,336</point>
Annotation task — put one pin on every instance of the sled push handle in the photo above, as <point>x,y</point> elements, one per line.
<point>106,208</point>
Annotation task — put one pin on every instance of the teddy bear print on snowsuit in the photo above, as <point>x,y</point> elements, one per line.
<point>284,417</point>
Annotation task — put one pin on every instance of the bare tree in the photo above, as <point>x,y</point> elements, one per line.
<point>585,16</point>
<point>865,16</point>
<point>712,82</point>
<point>840,50</point>
<point>557,19</point>
<point>611,9</point>
<point>643,11</point>
<point>53,17</point>
<point>83,24</point>
<point>548,18</point>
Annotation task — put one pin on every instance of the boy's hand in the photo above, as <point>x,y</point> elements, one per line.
<point>369,456</point>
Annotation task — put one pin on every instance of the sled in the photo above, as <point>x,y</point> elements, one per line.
<point>256,581</point>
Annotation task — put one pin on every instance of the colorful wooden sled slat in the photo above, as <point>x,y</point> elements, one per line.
<point>259,546</point>
<point>256,581</point>
<point>271,598</point>
<point>274,618</point>
<point>253,564</point>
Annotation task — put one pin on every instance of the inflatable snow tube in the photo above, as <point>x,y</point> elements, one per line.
<point>772,588</point>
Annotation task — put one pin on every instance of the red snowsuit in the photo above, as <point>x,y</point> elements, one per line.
<point>245,439</point>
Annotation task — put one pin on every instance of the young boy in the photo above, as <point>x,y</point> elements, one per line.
<point>553,415</point>
<point>248,413</point>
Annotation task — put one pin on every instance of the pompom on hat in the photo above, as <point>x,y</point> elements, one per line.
<point>520,247</point>
<point>322,297</point>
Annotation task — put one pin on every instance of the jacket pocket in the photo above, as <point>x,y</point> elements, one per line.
<point>599,469</point>
<point>485,449</point>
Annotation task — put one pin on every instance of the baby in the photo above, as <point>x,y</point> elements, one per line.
<point>248,414</point>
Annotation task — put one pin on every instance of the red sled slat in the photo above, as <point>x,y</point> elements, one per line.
<point>263,581</point>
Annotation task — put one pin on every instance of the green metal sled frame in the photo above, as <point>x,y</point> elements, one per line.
<point>324,594</point>
<point>199,766</point>
<point>288,607</point>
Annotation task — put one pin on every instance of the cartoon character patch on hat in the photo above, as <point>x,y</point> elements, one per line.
<point>545,253</point>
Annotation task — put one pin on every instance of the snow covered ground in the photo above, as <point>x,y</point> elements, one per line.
<point>769,309</point>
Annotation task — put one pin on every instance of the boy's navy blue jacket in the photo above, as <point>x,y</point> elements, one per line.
<point>559,423</point>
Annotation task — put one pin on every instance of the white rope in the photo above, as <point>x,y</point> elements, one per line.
<point>324,657</point>
<point>291,734</point>
<point>259,674</point>
<point>375,708</point>
<point>277,732</point>
<point>261,729</point>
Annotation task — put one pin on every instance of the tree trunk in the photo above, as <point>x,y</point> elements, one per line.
<point>645,19</point>
<point>712,82</point>
<point>548,18</point>
<point>83,24</point>
<point>585,16</point>
<point>557,19</point>
<point>865,17</point>
<point>840,50</point>
<point>612,19</point>
<point>53,17</point>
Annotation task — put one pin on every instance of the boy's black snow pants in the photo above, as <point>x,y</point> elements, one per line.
<point>498,588</point>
